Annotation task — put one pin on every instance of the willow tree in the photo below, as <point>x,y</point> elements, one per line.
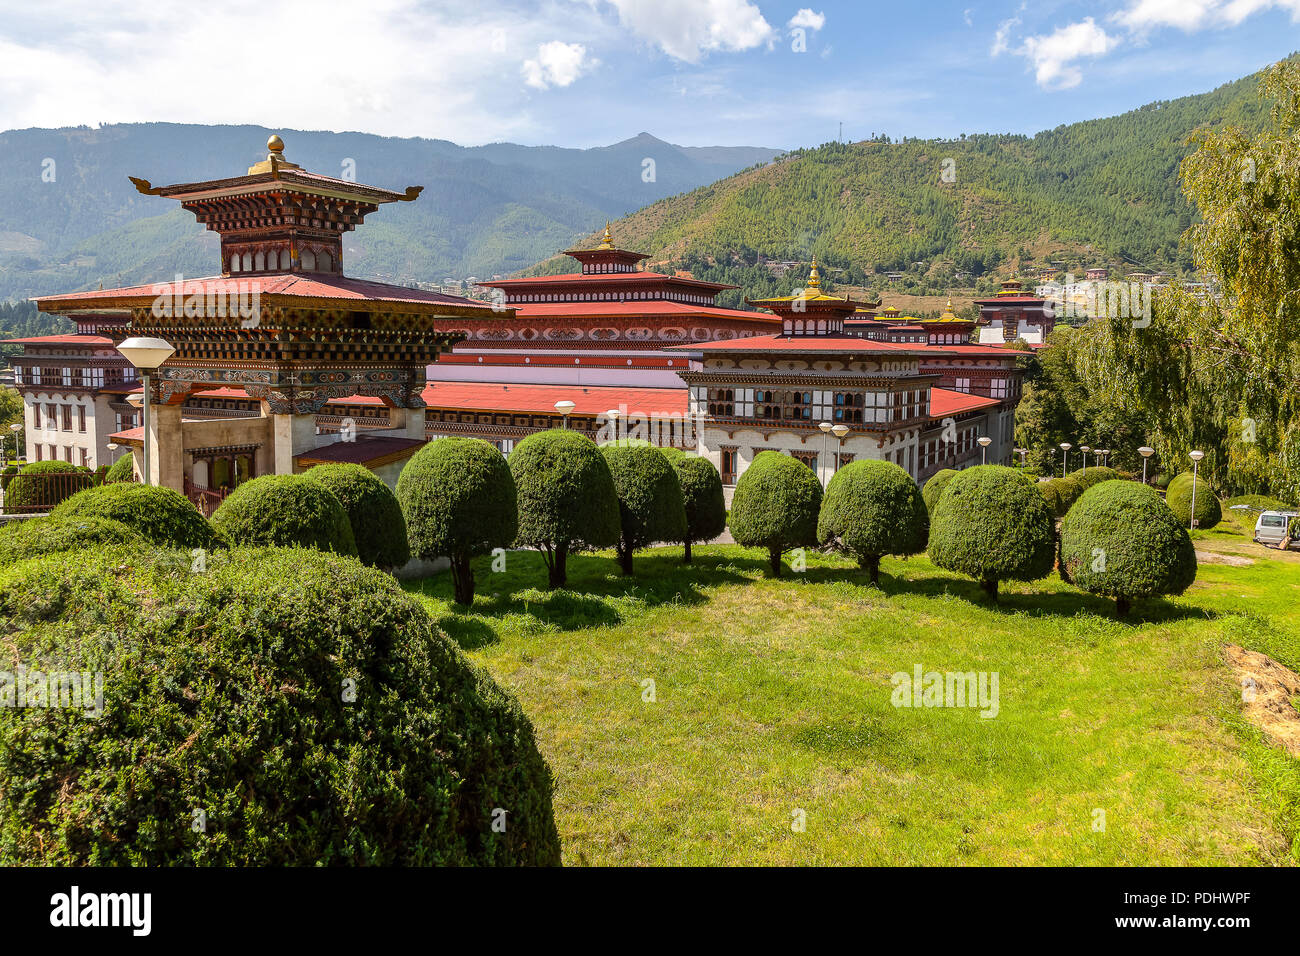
<point>1219,369</point>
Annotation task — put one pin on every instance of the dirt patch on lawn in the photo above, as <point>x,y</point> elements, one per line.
<point>1216,557</point>
<point>1268,693</point>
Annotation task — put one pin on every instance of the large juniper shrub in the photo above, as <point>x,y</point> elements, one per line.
<point>1179,498</point>
<point>775,506</point>
<point>374,515</point>
<point>702,495</point>
<point>873,508</point>
<point>162,515</point>
<point>650,505</point>
<point>51,534</point>
<point>285,510</point>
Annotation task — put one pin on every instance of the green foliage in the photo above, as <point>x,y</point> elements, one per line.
<point>702,495</point>
<point>1121,540</point>
<point>51,534</point>
<point>933,489</point>
<point>43,484</point>
<point>1293,529</point>
<point>1094,475</point>
<point>121,470</point>
<point>230,691</point>
<point>1257,503</point>
<point>650,503</point>
<point>285,510</point>
<point>1060,493</point>
<point>1208,511</point>
<point>991,525</point>
<point>459,500</point>
<point>162,515</point>
<point>873,508</point>
<point>567,501</point>
<point>775,506</point>
<point>374,515</point>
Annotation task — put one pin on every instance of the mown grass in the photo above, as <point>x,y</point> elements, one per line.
<point>773,696</point>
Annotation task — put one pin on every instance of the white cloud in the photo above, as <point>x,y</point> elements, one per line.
<point>1054,55</point>
<point>1000,44</point>
<point>965,15</point>
<point>557,64</point>
<point>688,29</point>
<point>1192,15</point>
<point>806,18</point>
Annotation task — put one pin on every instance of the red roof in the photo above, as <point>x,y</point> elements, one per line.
<point>587,400</point>
<point>363,450</point>
<point>70,339</point>
<point>804,343</point>
<point>589,359</point>
<point>644,307</point>
<point>944,402</point>
<point>604,277</point>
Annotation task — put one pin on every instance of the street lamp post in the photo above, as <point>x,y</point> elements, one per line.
<point>840,431</point>
<point>1146,453</point>
<point>826,430</point>
<point>612,415</point>
<point>984,442</point>
<point>146,354</point>
<point>1085,449</point>
<point>1196,457</point>
<point>565,408</point>
<point>1022,452</point>
<point>16,427</point>
<point>1065,456</point>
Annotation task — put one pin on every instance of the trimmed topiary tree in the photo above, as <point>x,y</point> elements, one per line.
<point>702,495</point>
<point>775,506</point>
<point>934,487</point>
<point>43,484</point>
<point>307,704</point>
<point>163,516</point>
<point>650,505</point>
<point>459,500</point>
<point>1122,541</point>
<point>20,540</point>
<point>566,496</point>
<point>1087,477</point>
<point>1179,498</point>
<point>285,510</point>
<point>992,526</point>
<point>873,508</point>
<point>121,470</point>
<point>1059,493</point>
<point>374,515</point>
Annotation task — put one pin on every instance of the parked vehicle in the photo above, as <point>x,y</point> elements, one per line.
<point>1271,527</point>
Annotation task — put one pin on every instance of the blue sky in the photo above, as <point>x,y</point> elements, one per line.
<point>592,72</point>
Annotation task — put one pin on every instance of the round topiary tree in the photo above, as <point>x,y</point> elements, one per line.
<point>374,515</point>
<point>162,515</point>
<point>566,498</point>
<point>43,484</point>
<point>989,524</point>
<point>1178,481</point>
<point>1051,492</point>
<point>1179,498</point>
<point>775,506</point>
<point>1087,477</point>
<point>459,500</point>
<point>1122,541</point>
<point>121,470</point>
<point>873,508</point>
<point>1069,490</point>
<point>933,489</point>
<point>702,495</point>
<point>303,701</point>
<point>285,510</point>
<point>650,504</point>
<point>20,540</point>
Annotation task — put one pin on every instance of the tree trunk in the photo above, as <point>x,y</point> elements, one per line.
<point>686,558</point>
<point>462,579</point>
<point>991,589</point>
<point>624,552</point>
<point>774,554</point>
<point>1122,606</point>
<point>557,576</point>
<point>872,564</point>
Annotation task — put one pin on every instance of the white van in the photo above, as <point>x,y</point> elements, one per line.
<point>1270,527</point>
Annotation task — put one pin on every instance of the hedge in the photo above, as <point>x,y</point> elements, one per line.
<point>1087,477</point>
<point>285,510</point>
<point>121,470</point>
<point>650,503</point>
<point>374,515</point>
<point>702,496</point>
<point>459,501</point>
<point>286,707</point>
<point>775,506</point>
<point>20,540</point>
<point>33,490</point>
<point>162,515</point>
<point>873,508</point>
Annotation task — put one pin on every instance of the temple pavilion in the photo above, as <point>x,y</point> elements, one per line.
<point>283,326</point>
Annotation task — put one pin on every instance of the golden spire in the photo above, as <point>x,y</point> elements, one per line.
<point>814,278</point>
<point>274,159</point>
<point>607,242</point>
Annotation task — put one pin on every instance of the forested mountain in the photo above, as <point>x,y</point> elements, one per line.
<point>1103,192</point>
<point>69,217</point>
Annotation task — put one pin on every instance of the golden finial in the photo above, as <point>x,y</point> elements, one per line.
<point>275,144</point>
<point>274,160</point>
<point>814,277</point>
<point>948,307</point>
<point>607,242</point>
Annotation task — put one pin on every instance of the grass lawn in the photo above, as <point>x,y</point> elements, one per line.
<point>774,696</point>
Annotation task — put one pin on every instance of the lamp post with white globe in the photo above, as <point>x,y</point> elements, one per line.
<point>146,354</point>
<point>565,408</point>
<point>1196,457</point>
<point>840,431</point>
<point>1146,452</point>
<point>1065,456</point>
<point>826,431</point>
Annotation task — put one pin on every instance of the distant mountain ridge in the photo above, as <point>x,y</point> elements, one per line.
<point>69,218</point>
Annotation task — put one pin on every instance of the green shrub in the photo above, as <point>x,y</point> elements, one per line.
<point>1122,541</point>
<point>934,487</point>
<point>1257,503</point>
<point>1179,499</point>
<point>285,510</point>
<point>374,515</point>
<point>53,534</point>
<point>775,506</point>
<point>459,500</point>
<point>303,702</point>
<point>1051,492</point>
<point>43,484</point>
<point>164,516</point>
<point>122,470</point>
<point>1180,480</point>
<point>702,495</point>
<point>873,508</point>
<point>1087,477</point>
<point>1071,490</point>
<point>566,496</point>
<point>990,525</point>
<point>1293,529</point>
<point>650,504</point>
<point>6,475</point>
<point>1162,480</point>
